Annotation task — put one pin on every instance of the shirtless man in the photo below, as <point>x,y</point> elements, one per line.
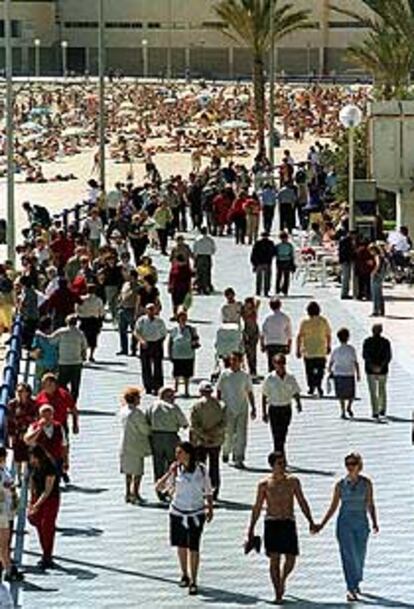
<point>278,492</point>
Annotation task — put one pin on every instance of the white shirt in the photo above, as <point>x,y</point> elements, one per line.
<point>343,360</point>
<point>151,330</point>
<point>277,329</point>
<point>235,388</point>
<point>92,306</point>
<point>399,242</point>
<point>280,391</point>
<point>95,228</point>
<point>204,246</point>
<point>231,312</point>
<point>190,491</point>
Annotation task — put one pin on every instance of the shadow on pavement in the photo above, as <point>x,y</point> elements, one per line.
<point>293,469</point>
<point>398,419</point>
<point>381,601</point>
<point>81,574</point>
<point>95,413</point>
<point>302,603</point>
<point>399,317</point>
<point>313,472</point>
<point>234,506</point>
<point>85,490</point>
<point>216,595</point>
<point>76,532</point>
<point>97,364</point>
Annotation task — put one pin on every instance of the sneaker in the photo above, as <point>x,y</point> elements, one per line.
<point>225,458</point>
<point>65,478</point>
<point>193,590</point>
<point>239,465</point>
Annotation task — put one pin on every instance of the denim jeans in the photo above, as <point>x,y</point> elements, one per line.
<point>377,296</point>
<point>126,319</point>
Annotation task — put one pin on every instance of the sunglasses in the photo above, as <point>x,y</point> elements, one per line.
<point>351,463</point>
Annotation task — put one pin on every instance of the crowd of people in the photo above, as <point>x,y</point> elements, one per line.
<point>74,278</point>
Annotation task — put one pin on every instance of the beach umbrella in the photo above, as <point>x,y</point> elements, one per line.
<point>40,111</point>
<point>234,124</point>
<point>126,105</point>
<point>31,126</point>
<point>74,131</point>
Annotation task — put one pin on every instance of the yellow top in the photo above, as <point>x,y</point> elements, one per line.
<point>314,333</point>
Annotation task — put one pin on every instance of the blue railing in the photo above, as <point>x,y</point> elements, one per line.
<point>10,374</point>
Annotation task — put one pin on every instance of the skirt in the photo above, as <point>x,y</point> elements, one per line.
<point>91,326</point>
<point>183,368</point>
<point>344,387</point>
<point>280,537</point>
<point>186,537</point>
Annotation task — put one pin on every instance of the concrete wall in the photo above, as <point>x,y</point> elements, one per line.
<point>187,26</point>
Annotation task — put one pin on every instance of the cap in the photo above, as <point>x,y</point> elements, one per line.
<point>205,386</point>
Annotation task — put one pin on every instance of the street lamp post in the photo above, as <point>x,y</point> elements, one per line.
<point>350,117</point>
<point>169,49</point>
<point>64,46</point>
<point>272,86</point>
<point>37,56</point>
<point>102,121</point>
<point>11,233</point>
<point>145,58</point>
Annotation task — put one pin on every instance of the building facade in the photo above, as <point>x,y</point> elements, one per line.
<point>154,37</point>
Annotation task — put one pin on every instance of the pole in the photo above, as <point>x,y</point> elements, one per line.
<point>272,86</point>
<point>11,229</point>
<point>169,49</point>
<point>351,202</point>
<point>101,44</point>
<point>351,205</point>
<point>37,58</point>
<point>64,60</point>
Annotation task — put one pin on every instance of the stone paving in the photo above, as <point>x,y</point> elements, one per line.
<point>114,555</point>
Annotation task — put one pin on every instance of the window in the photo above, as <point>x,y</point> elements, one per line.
<point>213,25</point>
<point>349,25</point>
<point>154,25</point>
<point>16,28</point>
<point>81,24</point>
<point>122,25</point>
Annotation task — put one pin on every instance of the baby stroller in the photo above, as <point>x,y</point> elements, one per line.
<point>229,339</point>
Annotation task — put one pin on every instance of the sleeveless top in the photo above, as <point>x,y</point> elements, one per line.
<point>353,498</point>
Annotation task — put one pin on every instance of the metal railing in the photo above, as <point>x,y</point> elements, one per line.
<point>10,374</point>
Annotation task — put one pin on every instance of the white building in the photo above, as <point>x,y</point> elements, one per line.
<point>152,36</point>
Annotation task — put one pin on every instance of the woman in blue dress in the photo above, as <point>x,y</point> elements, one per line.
<point>355,495</point>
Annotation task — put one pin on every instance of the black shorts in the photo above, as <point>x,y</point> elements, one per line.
<point>280,537</point>
<point>183,537</point>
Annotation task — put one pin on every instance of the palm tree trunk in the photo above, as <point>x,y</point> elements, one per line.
<point>259,100</point>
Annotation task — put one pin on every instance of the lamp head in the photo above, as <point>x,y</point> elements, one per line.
<point>350,116</point>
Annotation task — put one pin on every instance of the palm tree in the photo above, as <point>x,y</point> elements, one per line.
<point>249,24</point>
<point>388,50</point>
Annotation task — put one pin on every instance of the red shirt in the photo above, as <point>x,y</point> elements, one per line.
<point>62,402</point>
<point>54,445</point>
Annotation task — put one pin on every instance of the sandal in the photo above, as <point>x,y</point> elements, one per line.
<point>184,581</point>
<point>351,596</point>
<point>193,590</point>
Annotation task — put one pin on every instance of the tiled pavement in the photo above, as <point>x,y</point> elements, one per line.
<point>114,555</point>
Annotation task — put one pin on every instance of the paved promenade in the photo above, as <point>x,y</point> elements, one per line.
<point>113,555</point>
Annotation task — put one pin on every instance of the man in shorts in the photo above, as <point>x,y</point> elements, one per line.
<point>278,493</point>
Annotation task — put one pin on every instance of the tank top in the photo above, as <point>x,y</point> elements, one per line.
<point>353,498</point>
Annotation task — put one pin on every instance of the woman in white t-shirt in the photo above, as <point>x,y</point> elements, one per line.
<point>189,486</point>
<point>343,366</point>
